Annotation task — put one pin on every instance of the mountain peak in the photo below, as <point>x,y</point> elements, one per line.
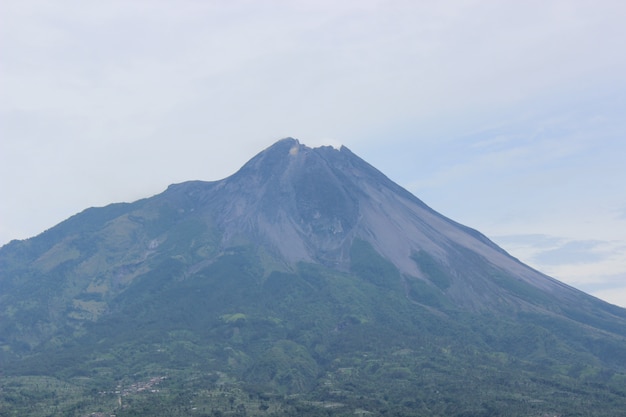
<point>312,204</point>
<point>306,271</point>
<point>284,151</point>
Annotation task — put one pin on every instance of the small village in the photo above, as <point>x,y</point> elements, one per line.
<point>137,387</point>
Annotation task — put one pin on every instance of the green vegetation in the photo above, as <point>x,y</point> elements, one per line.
<point>434,271</point>
<point>137,310</point>
<point>426,380</point>
<point>314,342</point>
<point>368,265</point>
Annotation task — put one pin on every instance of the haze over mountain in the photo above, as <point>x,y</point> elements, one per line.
<point>308,272</point>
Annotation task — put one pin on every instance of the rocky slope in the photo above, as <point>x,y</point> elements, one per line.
<point>306,272</point>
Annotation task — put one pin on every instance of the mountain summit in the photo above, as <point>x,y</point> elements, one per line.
<point>311,204</point>
<point>305,283</point>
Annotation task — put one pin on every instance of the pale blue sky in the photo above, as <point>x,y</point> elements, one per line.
<point>506,116</point>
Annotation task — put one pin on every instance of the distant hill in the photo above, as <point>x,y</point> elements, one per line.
<point>307,283</point>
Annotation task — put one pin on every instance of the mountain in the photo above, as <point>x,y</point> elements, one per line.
<point>306,283</point>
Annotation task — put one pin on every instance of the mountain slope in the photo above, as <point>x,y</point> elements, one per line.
<point>306,272</point>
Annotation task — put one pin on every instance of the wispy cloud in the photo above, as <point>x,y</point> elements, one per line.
<point>590,265</point>
<point>615,294</point>
<point>575,252</point>
<point>502,160</point>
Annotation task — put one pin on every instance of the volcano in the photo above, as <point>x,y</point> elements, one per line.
<point>306,283</point>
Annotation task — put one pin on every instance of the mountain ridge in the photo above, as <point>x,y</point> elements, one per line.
<point>309,205</point>
<point>347,160</point>
<point>303,263</point>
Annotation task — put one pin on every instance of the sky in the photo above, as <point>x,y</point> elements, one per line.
<point>506,116</point>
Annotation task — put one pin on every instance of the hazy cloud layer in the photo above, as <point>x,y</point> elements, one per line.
<point>506,116</point>
<point>597,267</point>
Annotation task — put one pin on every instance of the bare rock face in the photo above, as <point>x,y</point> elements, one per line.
<point>310,204</point>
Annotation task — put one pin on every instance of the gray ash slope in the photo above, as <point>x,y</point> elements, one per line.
<point>310,204</point>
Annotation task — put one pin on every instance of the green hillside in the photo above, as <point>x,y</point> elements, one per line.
<point>190,303</point>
